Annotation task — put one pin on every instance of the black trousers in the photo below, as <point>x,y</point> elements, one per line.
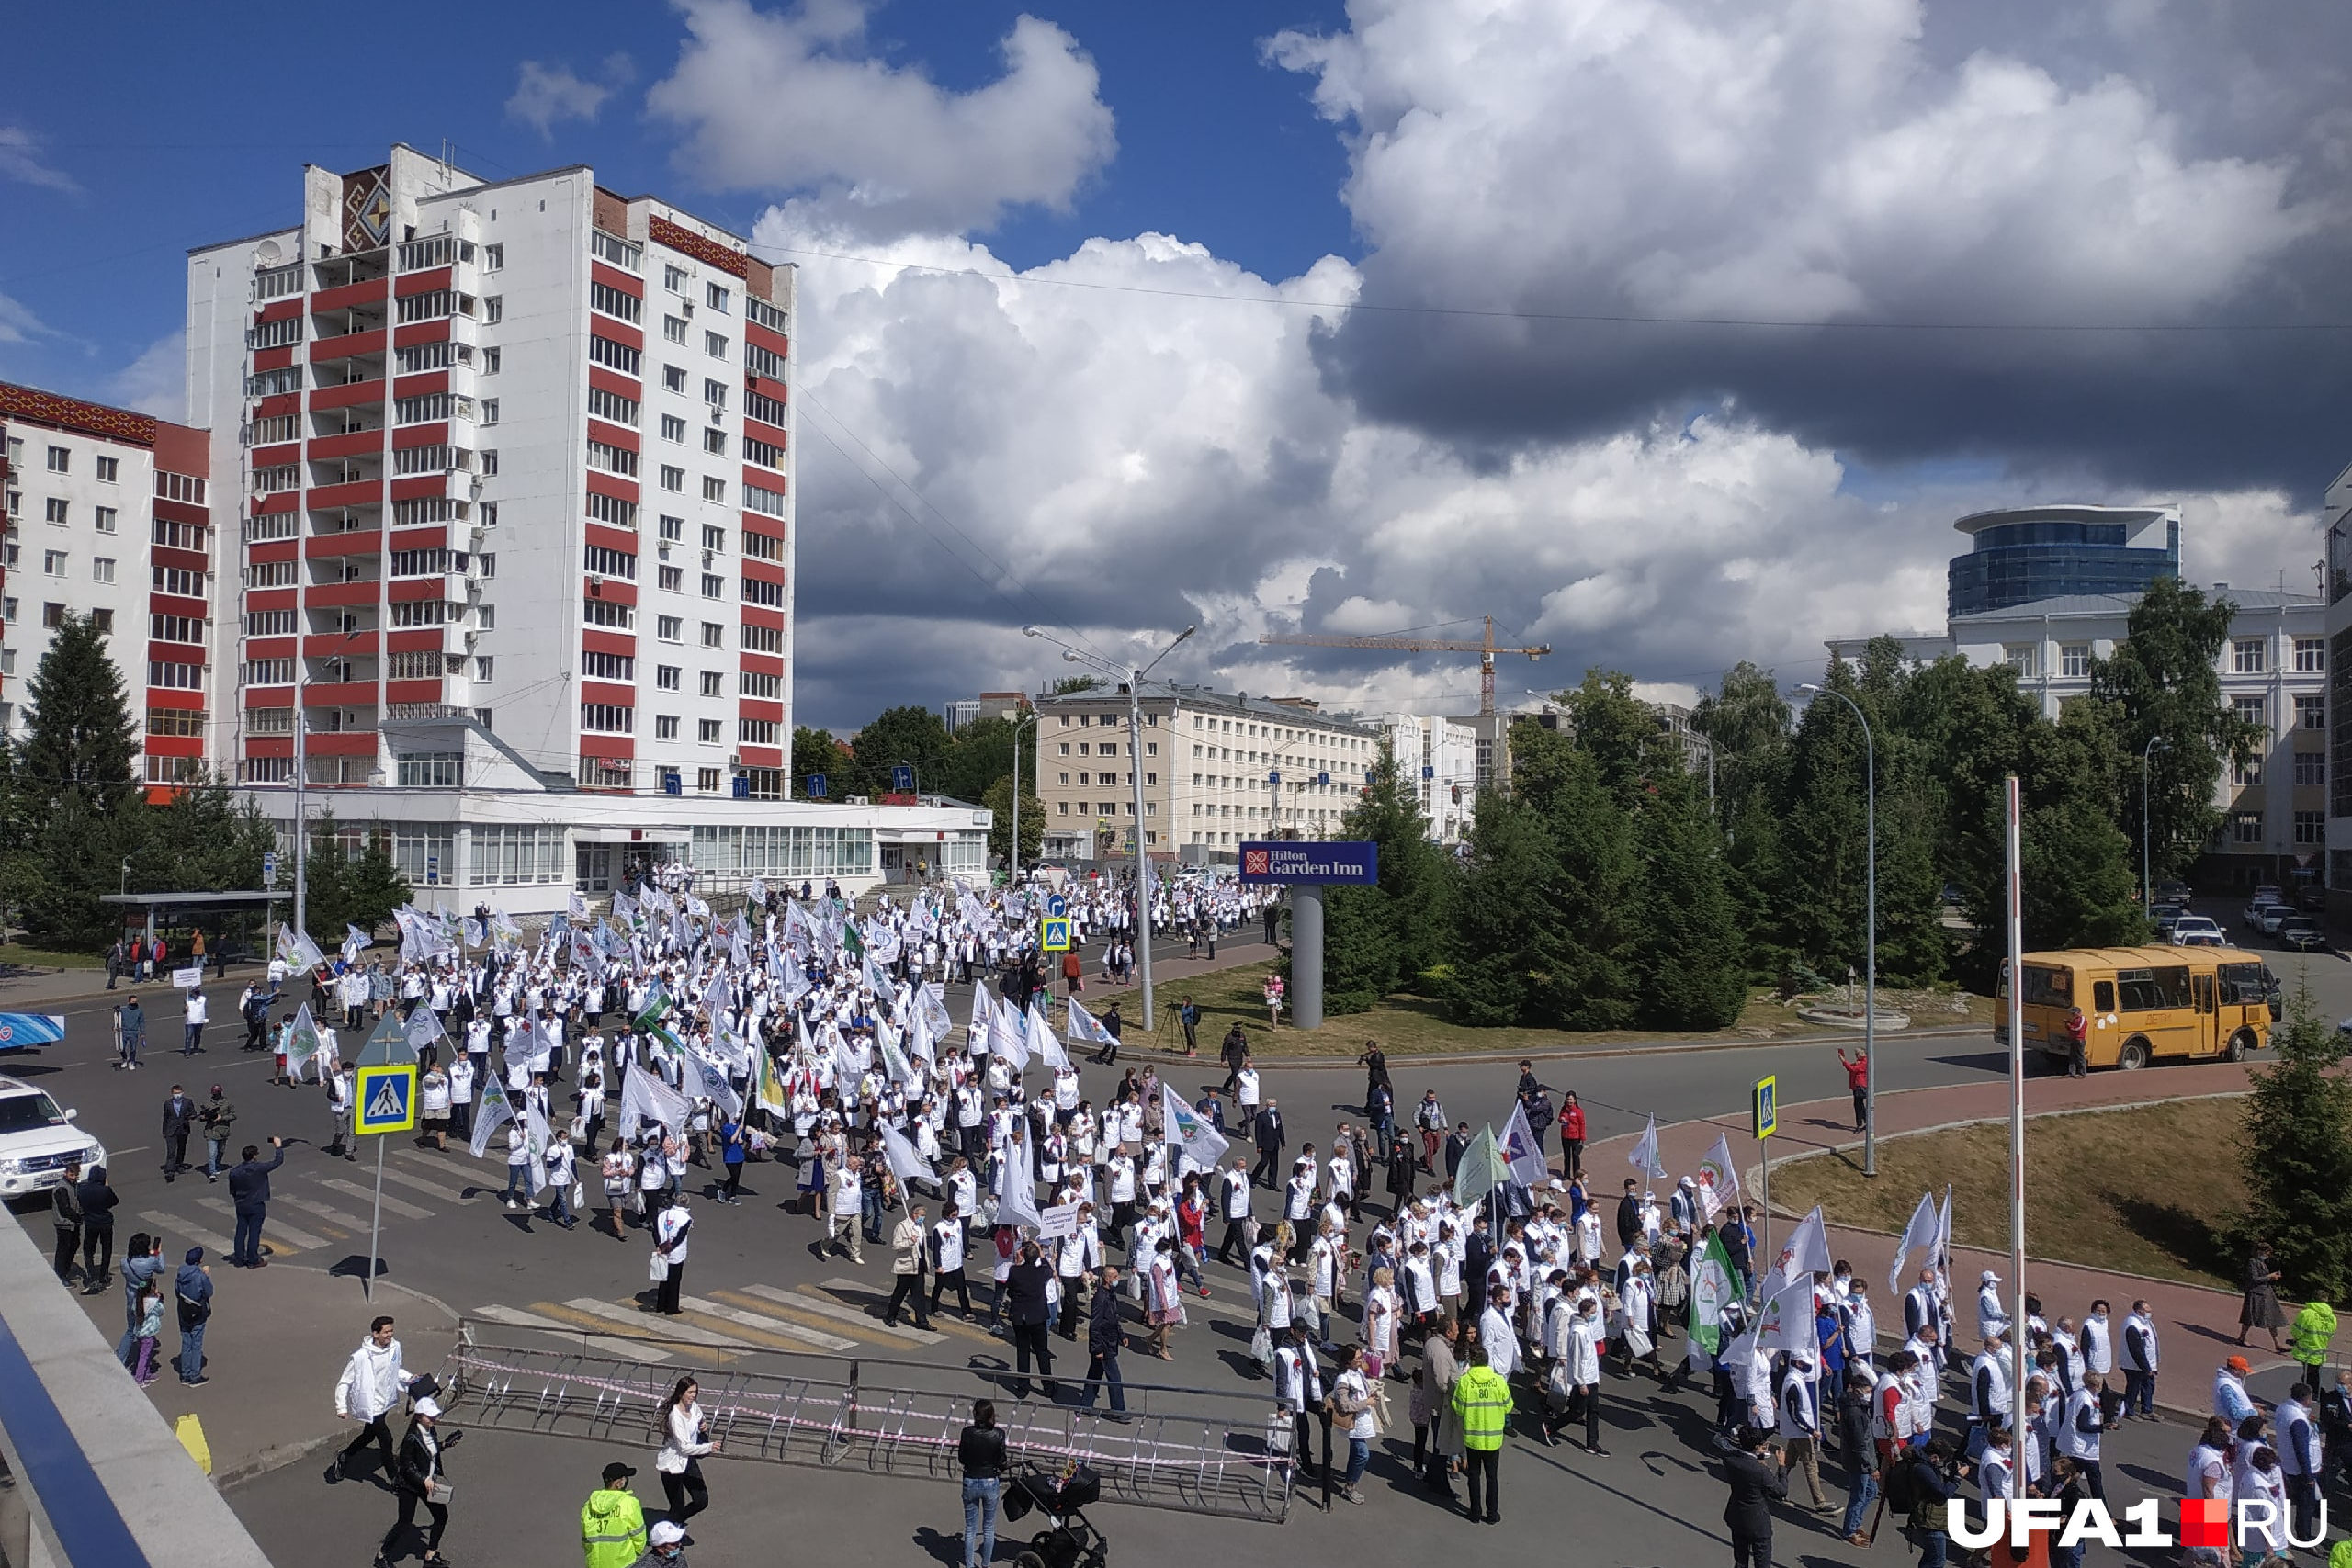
<point>436,1519</point>
<point>1485,1467</point>
<point>1233,1238</point>
<point>908,1285</point>
<point>1031,1339</point>
<point>1589,1398</point>
<point>69,1242</point>
<point>1751,1549</point>
<point>963,1291</point>
<point>686,1495</point>
<point>1301,1439</point>
<point>381,1433</point>
<point>665,1298</point>
<point>97,1251</point>
<point>1073,1308</point>
<point>174,1150</point>
<point>1267,1172</point>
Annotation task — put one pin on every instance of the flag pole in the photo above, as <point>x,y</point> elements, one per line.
<point>374,1226</point>
<point>2017,1104</point>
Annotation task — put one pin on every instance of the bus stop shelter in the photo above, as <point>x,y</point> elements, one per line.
<point>243,922</point>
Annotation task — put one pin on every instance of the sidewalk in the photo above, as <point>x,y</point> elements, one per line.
<point>2196,1325</point>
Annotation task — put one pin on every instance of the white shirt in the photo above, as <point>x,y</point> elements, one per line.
<point>681,1440</point>
<point>672,1231</point>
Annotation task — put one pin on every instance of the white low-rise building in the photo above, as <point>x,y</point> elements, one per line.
<point>1437,761</point>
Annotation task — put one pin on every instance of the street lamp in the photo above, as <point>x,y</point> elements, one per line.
<point>2147,866</point>
<point>1869,961</point>
<point>1012,861</point>
<point>1131,677</point>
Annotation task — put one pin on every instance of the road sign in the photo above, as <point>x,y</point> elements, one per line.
<point>1057,906</point>
<point>902,778</point>
<point>1053,934</point>
<point>385,1099</point>
<point>1355,863</point>
<point>815,786</point>
<point>269,868</point>
<point>1764,1110</point>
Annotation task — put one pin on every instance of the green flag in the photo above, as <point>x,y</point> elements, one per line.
<point>1481,1170</point>
<point>657,1007</point>
<point>1713,1286</point>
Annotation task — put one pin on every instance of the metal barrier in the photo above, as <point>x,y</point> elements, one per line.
<point>1193,1449</point>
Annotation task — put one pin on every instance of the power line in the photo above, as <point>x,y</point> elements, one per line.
<point>1594,317</point>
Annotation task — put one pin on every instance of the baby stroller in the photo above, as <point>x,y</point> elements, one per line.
<point>1071,1542</point>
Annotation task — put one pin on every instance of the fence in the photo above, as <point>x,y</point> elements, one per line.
<point>1192,1449</point>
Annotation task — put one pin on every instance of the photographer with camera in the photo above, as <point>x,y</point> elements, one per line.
<point>1754,1473</point>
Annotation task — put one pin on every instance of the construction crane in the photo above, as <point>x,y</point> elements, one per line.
<point>1486,652</point>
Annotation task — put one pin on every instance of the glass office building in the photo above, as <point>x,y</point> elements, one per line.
<point>2022,554</point>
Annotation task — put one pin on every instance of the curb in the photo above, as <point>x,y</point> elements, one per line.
<point>1555,1053</point>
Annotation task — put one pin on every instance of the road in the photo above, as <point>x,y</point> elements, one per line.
<point>763,1287</point>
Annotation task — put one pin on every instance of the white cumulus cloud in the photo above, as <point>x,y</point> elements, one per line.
<point>546,96</point>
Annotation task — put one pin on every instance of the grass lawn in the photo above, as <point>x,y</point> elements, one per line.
<point>1409,1025</point>
<point>18,952</point>
<point>2143,1191</point>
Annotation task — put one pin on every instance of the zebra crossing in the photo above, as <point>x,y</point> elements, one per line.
<point>304,1214</point>
<point>839,1317</point>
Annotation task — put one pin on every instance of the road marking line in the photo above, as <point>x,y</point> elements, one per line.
<point>323,1211</point>
<point>652,1324</point>
<point>300,1240</point>
<point>869,1326</point>
<point>515,1317</point>
<point>406,1211</point>
<point>447,1194</point>
<point>731,1320</point>
<point>219,1243</point>
<point>815,1327</point>
<point>847,1291</point>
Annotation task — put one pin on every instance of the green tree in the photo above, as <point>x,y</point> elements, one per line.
<point>200,840</point>
<point>1377,939</point>
<point>909,734</point>
<point>1747,723</point>
<point>816,751</point>
<point>999,799</point>
<point>981,754</point>
<point>2163,680</point>
<point>2295,1146</point>
<point>1072,685</point>
<point>1583,972</point>
<point>349,880</point>
<point>79,737</point>
<point>1503,960</point>
<point>1692,946</point>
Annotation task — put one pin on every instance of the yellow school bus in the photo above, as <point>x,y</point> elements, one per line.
<point>2145,1004</point>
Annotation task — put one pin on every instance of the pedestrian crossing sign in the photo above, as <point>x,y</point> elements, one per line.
<point>1764,1110</point>
<point>1053,934</point>
<point>385,1100</point>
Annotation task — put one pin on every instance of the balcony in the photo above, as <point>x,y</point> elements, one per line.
<point>368,291</point>
<point>354,443</point>
<point>342,596</point>
<point>341,645</point>
<point>357,492</point>
<point>366,390</point>
<point>346,346</point>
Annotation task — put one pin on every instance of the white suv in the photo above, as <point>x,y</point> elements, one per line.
<point>38,1141</point>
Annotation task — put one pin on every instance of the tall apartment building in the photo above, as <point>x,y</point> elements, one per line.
<point>1436,759</point>
<point>106,517</point>
<point>516,452</point>
<point>1218,769</point>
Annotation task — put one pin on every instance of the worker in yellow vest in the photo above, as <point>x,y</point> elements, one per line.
<point>1482,1405</point>
<point>612,1522</point>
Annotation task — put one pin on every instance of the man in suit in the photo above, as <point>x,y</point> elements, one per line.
<point>249,1190</point>
<point>1268,1135</point>
<point>1456,1145</point>
<point>179,1112</point>
<point>1024,1290</point>
<point>1477,1257</point>
<point>1753,1474</point>
<point>1629,1215</point>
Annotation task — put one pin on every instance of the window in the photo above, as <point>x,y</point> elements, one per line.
<point>2074,660</point>
<point>489,461</point>
<point>53,564</point>
<point>764,362</point>
<point>674,529</point>
<point>762,639</point>
<point>760,591</point>
<point>102,569</point>
<point>610,508</point>
<point>674,328</point>
<point>713,684</point>
<point>671,578</point>
<point>714,393</point>
<point>270,673</point>
<point>426,356</point>
<point>494,309</point>
<point>668,629</point>
<point>612,459</point>
<point>713,585</point>
<point>706,779</point>
<point>766,410</point>
<point>607,718</point>
<point>422,613</point>
<point>714,489</point>
<point>2247,656</point>
<point>54,510</point>
<point>673,379</point>
<point>181,722</point>
<point>430,769</point>
<point>673,428</point>
<point>666,726</point>
<point>432,460</point>
<point>109,469</point>
<point>277,334</point>
<point>189,584</point>
<point>608,666</point>
<point>490,359</point>
<point>168,676</point>
<point>714,537</point>
<point>2245,827</point>
<point>277,477</point>
<point>756,731</point>
<point>2255,710</point>
<point>485,668</point>
<point>714,297</point>
<point>613,303</point>
<point>493,257</point>
<point>618,251</point>
<point>673,278</point>
<point>432,305</point>
<point>713,635</point>
<point>766,454</point>
<point>608,406</point>
<point>2311,711</point>
<point>2310,655</point>
<point>672,479</point>
<point>715,443</point>
<point>759,311</point>
<point>754,683</point>
<point>511,855</point>
<point>667,677</point>
<point>709,731</point>
<point>267,432</point>
<point>761,546</point>
<point>2311,769</point>
<point>2248,773</point>
<point>176,628</point>
<point>766,502</point>
<point>426,664</point>
<point>2310,827</point>
<point>605,612</point>
<point>614,356</point>
<point>608,562</point>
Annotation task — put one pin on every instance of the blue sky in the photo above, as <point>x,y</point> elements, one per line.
<point>1446,323</point>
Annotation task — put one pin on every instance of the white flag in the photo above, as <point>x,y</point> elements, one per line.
<point>1041,1039</point>
<point>976,1033</point>
<point>1081,1028</point>
<point>1943,1231</point>
<point>710,1083</point>
<point>1718,1178</point>
<point>1008,1037</point>
<point>1919,1233</point>
<point>495,1110</point>
<point>1521,1151</point>
<point>1200,1143</point>
<point>934,998</point>
<point>1017,1203</point>
<point>536,1140</point>
<point>1644,1156</point>
<point>645,1097</point>
<point>1807,1252</point>
<point>1785,1320</point>
<point>302,1043</point>
<point>423,1029</point>
<point>906,1163</point>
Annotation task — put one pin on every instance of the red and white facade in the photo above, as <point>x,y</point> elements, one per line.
<point>107,517</point>
<point>514,452</point>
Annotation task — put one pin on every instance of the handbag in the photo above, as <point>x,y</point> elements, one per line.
<point>658,1270</point>
<point>578,1194</point>
<point>1262,1347</point>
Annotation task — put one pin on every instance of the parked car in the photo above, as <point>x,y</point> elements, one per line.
<point>2262,899</point>
<point>2173,891</point>
<point>38,1141</point>
<point>2312,896</point>
<point>2268,917</point>
<point>2197,930</point>
<point>2165,916</point>
<point>2303,933</point>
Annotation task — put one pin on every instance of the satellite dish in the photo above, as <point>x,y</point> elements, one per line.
<point>268,253</point>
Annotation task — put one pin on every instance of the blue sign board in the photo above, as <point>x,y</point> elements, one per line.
<point>815,786</point>
<point>1057,906</point>
<point>902,778</point>
<point>1355,863</point>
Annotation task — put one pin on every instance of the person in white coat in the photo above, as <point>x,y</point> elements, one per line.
<point>1579,1366</point>
<point>1992,1317</point>
<point>368,1392</point>
<point>684,1440</point>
